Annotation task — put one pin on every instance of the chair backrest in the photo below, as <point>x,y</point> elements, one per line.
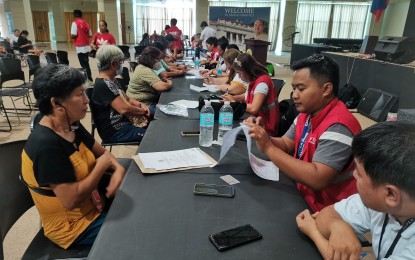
<point>89,92</point>
<point>10,69</point>
<point>62,57</point>
<point>16,198</point>
<point>51,57</point>
<point>278,84</point>
<point>34,64</point>
<point>139,50</point>
<point>133,65</point>
<point>126,50</point>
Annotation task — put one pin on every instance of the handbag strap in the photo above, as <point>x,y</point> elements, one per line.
<point>44,192</point>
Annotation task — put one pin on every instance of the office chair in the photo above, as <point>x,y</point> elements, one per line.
<point>139,50</point>
<point>126,50</point>
<point>16,200</point>
<point>104,143</point>
<point>278,84</point>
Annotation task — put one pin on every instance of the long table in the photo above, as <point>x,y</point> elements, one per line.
<point>157,216</point>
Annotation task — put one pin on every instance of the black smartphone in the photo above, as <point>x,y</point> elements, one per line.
<point>213,96</point>
<point>363,240</point>
<point>190,133</point>
<point>234,237</point>
<point>214,190</point>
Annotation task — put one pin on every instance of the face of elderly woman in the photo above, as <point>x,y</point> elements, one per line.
<point>76,104</point>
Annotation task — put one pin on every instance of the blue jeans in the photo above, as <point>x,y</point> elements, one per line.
<point>88,236</point>
<point>128,133</point>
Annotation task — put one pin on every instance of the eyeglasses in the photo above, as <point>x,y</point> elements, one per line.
<point>316,58</point>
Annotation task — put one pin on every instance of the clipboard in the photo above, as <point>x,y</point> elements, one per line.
<point>144,170</point>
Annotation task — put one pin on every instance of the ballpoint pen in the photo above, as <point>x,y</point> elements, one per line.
<point>227,92</point>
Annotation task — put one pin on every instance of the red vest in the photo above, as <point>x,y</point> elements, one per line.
<point>269,110</point>
<point>82,38</point>
<point>177,33</point>
<point>334,113</point>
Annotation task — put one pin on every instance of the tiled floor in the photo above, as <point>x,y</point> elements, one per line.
<point>23,232</point>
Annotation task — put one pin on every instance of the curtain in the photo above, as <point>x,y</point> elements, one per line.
<point>312,21</point>
<point>41,26</point>
<point>349,21</point>
<point>274,15</point>
<point>89,17</point>
<point>153,19</point>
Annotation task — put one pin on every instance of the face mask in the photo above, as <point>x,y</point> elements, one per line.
<point>157,66</point>
<point>119,71</point>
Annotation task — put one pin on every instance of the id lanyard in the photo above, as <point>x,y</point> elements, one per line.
<point>303,138</point>
<point>398,236</point>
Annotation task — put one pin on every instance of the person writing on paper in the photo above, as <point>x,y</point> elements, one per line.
<point>145,86</point>
<point>260,97</point>
<point>221,66</point>
<point>118,118</point>
<point>259,29</point>
<point>63,164</point>
<point>163,70</point>
<point>233,84</point>
<point>385,206</point>
<point>316,150</point>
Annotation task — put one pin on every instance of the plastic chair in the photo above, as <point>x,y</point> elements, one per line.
<point>17,200</point>
<point>10,69</point>
<point>139,50</point>
<point>62,57</point>
<point>34,64</point>
<point>126,50</point>
<point>104,143</point>
<point>3,111</point>
<point>51,57</point>
<point>278,84</point>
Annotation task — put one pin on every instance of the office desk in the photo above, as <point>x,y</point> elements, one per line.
<point>158,217</point>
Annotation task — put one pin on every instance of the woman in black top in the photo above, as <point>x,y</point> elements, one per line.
<point>25,46</point>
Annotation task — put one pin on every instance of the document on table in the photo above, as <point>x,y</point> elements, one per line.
<point>211,87</point>
<point>185,103</point>
<point>198,89</point>
<point>264,169</point>
<point>195,72</point>
<point>173,160</point>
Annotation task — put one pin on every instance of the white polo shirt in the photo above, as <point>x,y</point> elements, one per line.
<point>205,34</point>
<point>363,219</point>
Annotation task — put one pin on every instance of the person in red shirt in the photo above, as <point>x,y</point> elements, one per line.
<point>316,151</point>
<point>103,37</point>
<point>177,34</point>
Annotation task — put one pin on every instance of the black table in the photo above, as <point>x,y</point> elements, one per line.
<point>166,98</point>
<point>165,135</point>
<point>158,217</point>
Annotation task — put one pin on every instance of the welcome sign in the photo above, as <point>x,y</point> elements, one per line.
<point>237,23</point>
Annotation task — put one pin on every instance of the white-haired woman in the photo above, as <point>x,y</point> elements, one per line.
<point>112,107</point>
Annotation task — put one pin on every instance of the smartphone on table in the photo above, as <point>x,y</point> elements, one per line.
<point>234,237</point>
<point>190,133</point>
<point>214,190</point>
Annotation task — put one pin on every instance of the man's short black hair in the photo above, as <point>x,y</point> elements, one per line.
<point>77,13</point>
<point>159,45</point>
<point>173,21</point>
<point>169,38</point>
<point>54,80</point>
<point>322,68</point>
<point>203,24</point>
<point>387,152</point>
<point>213,41</point>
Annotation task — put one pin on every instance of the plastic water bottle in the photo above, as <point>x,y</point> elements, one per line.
<point>197,63</point>
<point>197,53</point>
<point>207,121</point>
<point>225,120</point>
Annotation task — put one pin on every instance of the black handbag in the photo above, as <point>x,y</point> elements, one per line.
<point>238,108</point>
<point>92,53</point>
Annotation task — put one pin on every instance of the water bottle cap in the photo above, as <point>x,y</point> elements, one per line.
<point>207,102</point>
<point>227,102</point>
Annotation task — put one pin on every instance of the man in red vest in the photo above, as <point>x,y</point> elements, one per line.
<point>177,34</point>
<point>316,150</point>
<point>81,33</point>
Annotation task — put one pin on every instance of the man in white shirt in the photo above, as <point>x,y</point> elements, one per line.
<point>385,206</point>
<point>12,38</point>
<point>205,34</point>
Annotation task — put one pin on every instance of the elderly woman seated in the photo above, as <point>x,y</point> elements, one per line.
<point>63,165</point>
<point>118,118</point>
<point>145,85</point>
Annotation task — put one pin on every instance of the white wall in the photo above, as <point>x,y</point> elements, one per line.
<point>395,18</point>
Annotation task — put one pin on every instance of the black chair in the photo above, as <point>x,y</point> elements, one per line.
<point>104,143</point>
<point>139,50</point>
<point>278,84</point>
<point>10,69</point>
<point>16,200</point>
<point>34,64</point>
<point>51,57</point>
<point>133,65</point>
<point>3,111</point>
<point>126,50</point>
<point>62,57</point>
<point>7,46</point>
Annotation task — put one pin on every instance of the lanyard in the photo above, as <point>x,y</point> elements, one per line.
<point>398,236</point>
<point>303,138</point>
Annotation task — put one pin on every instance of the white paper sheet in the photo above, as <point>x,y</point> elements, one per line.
<point>174,159</point>
<point>264,169</point>
<point>196,73</point>
<point>211,87</point>
<point>198,89</point>
<point>186,103</point>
